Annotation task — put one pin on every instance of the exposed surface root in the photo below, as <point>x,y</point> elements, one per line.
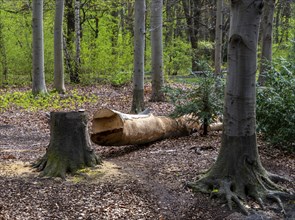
<point>59,168</point>
<point>237,192</point>
<point>277,178</point>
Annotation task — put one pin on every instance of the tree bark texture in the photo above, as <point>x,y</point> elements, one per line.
<point>238,172</point>
<point>58,47</point>
<point>218,37</point>
<point>70,147</point>
<point>38,48</point>
<point>77,41</point>
<point>3,54</point>
<point>139,45</point>
<point>70,39</point>
<point>157,50</point>
<point>266,39</point>
<point>192,14</point>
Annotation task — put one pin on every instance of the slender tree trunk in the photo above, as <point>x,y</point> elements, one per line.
<point>237,172</point>
<point>3,54</point>
<point>218,37</point>
<point>139,45</point>
<point>266,30</point>
<point>157,50</point>
<point>278,21</point>
<point>58,47</point>
<point>70,38</point>
<point>38,49</point>
<point>77,41</point>
<point>192,14</point>
<point>115,26</point>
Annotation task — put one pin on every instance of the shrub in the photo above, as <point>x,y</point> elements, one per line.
<point>203,99</point>
<point>276,106</point>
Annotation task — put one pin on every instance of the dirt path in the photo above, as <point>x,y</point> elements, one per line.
<point>133,183</point>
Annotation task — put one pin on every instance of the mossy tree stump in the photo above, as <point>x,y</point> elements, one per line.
<point>70,148</point>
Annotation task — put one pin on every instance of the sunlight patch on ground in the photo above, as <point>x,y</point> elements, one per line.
<point>105,172</point>
<point>16,168</point>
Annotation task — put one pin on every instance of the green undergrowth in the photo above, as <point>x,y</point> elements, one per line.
<point>25,100</point>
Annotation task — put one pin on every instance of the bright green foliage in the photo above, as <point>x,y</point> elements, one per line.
<point>276,106</point>
<point>25,100</point>
<point>177,57</point>
<point>203,99</point>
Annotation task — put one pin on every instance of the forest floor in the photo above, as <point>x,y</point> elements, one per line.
<point>134,182</point>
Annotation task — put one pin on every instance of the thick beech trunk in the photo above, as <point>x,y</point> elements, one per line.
<point>113,128</point>
<point>69,148</point>
<point>238,172</point>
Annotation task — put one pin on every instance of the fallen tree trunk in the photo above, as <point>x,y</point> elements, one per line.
<point>113,128</point>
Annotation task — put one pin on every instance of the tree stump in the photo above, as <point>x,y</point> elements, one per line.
<point>69,148</point>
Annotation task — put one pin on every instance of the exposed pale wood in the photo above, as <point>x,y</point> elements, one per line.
<point>113,128</point>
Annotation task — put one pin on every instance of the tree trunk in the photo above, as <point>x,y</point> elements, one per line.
<point>70,36</point>
<point>77,41</point>
<point>238,172</point>
<point>58,47</point>
<point>157,50</point>
<point>69,148</point>
<point>3,54</point>
<point>38,49</point>
<point>266,48</point>
<point>113,128</point>
<point>218,37</point>
<point>192,15</point>
<point>139,45</point>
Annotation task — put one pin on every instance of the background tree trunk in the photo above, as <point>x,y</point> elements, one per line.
<point>69,148</point>
<point>218,37</point>
<point>266,39</point>
<point>237,172</point>
<point>58,47</point>
<point>3,58</point>
<point>38,48</point>
<point>192,14</point>
<point>157,50</point>
<point>77,41</point>
<point>139,45</point>
<point>70,38</point>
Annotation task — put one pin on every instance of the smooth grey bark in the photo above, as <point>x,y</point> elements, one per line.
<point>3,58</point>
<point>218,37</point>
<point>157,50</point>
<point>70,148</point>
<point>58,47</point>
<point>38,49</point>
<point>266,39</point>
<point>139,46</point>
<point>78,39</point>
<point>237,172</point>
